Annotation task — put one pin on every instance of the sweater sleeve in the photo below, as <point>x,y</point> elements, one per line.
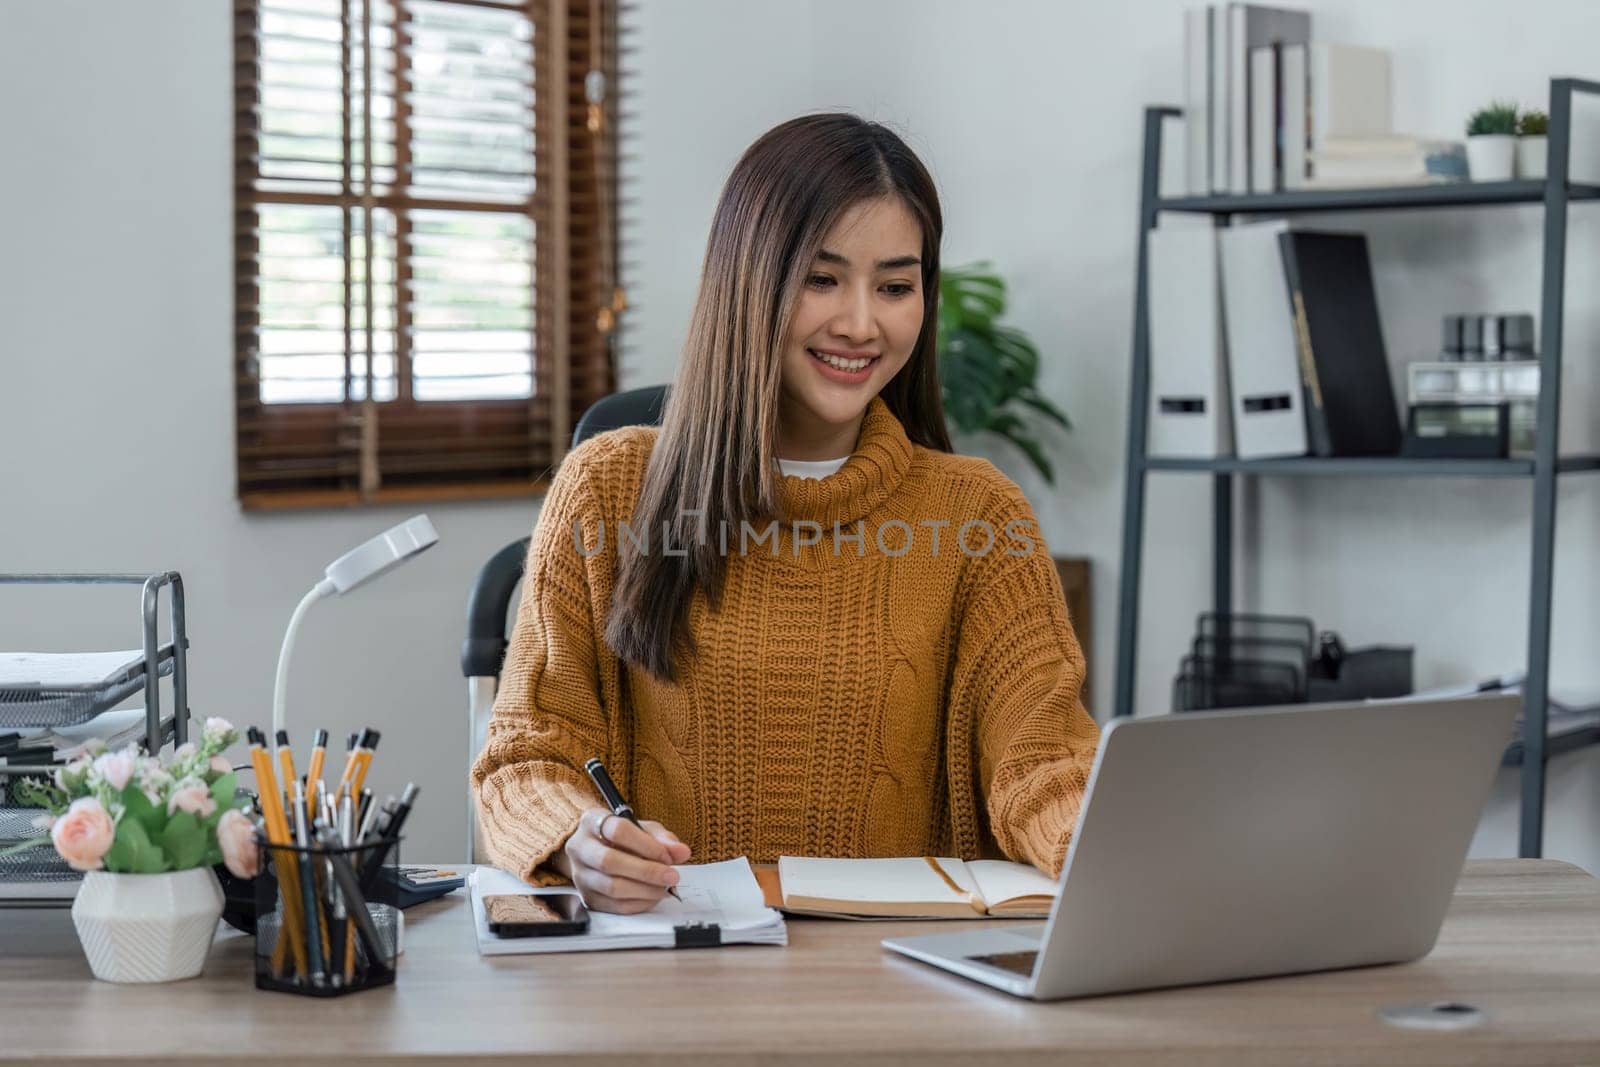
<point>548,717</point>
<point>1019,668</point>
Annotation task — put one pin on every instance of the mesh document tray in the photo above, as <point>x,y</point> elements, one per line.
<point>1290,652</point>
<point>1247,625</point>
<point>45,690</point>
<point>1203,685</point>
<point>35,875</point>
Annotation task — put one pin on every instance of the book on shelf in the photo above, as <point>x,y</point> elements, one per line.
<point>1348,397</point>
<point>1349,93</point>
<point>1294,119</point>
<point>1198,25</point>
<point>1251,26</point>
<point>914,887</point>
<point>1266,155</point>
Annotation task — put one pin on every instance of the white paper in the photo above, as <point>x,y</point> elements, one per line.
<point>1002,880</point>
<point>725,893</point>
<point>64,668</point>
<point>907,880</point>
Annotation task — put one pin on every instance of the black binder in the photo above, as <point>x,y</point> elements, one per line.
<point>1344,368</point>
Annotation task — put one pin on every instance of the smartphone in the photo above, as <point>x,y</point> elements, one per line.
<point>526,915</point>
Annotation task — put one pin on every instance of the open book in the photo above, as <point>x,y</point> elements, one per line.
<point>918,887</point>
<point>721,905</point>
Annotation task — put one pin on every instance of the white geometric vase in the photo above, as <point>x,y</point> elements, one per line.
<point>147,927</point>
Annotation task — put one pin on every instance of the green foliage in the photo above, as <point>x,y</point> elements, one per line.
<point>1533,123</point>
<point>1499,117</point>
<point>988,372</point>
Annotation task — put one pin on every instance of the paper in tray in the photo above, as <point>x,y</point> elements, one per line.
<point>67,688</point>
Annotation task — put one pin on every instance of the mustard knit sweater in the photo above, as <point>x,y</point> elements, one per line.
<point>896,694</point>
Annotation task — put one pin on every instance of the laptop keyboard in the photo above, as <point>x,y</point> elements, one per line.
<point>1016,962</point>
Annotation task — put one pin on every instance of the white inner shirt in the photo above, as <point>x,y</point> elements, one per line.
<point>810,468</point>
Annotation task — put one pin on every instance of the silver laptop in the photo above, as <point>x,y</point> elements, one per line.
<point>1236,844</point>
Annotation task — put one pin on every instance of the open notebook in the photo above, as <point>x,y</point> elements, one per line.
<point>916,887</point>
<point>722,905</point>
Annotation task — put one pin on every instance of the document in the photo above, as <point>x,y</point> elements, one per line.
<point>722,904</point>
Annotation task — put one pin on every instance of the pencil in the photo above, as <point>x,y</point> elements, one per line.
<point>319,749</point>
<point>278,835</point>
<point>352,748</point>
<point>369,745</point>
<point>286,759</point>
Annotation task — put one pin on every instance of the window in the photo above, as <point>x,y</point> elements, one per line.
<point>425,236</point>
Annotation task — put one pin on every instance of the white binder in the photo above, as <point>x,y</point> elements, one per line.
<point>1268,405</point>
<point>1188,364</point>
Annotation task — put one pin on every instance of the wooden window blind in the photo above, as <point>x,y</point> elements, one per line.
<point>426,247</point>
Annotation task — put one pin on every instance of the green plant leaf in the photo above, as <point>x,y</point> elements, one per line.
<point>120,858</point>
<point>136,805</point>
<point>144,856</point>
<point>1044,407</point>
<point>223,788</point>
<point>183,841</point>
<point>1035,454</point>
<point>985,369</point>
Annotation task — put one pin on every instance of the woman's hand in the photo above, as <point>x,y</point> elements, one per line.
<point>619,867</point>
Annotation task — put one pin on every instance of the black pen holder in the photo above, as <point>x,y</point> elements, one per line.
<point>313,936</point>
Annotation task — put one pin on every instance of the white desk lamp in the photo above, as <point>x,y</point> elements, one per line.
<point>355,568</point>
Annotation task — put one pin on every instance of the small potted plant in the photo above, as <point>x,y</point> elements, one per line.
<point>147,831</point>
<point>1533,141</point>
<point>1492,142</point>
<point>988,372</point>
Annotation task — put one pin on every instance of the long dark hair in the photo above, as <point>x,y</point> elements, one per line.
<point>714,452</point>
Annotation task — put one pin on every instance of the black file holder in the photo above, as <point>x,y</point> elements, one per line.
<point>356,937</point>
<point>697,935</point>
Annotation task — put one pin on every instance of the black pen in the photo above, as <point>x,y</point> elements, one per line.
<point>608,791</point>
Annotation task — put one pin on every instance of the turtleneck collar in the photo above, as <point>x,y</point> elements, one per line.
<point>868,478</point>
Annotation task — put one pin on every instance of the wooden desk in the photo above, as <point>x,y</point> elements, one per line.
<point>1522,942</point>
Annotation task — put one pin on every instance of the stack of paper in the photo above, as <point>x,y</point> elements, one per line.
<point>724,894</point>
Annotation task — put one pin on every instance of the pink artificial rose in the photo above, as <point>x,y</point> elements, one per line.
<point>220,765</point>
<point>184,751</point>
<point>193,798</point>
<point>84,834</point>
<point>237,839</point>
<point>116,768</point>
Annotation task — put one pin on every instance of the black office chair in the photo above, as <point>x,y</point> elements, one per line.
<point>484,650</point>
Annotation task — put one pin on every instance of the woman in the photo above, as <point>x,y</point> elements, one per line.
<point>790,621</point>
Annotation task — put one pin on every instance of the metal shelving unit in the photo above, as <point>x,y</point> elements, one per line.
<point>1555,192</point>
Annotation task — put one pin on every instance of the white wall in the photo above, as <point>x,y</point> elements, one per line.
<point>115,340</point>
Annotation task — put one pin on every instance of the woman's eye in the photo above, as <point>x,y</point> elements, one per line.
<point>899,289</point>
<point>819,280</point>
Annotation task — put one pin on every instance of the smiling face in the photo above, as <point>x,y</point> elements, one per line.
<point>859,314</point>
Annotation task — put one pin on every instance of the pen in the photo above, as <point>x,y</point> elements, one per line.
<point>356,904</point>
<point>308,887</point>
<point>608,790</point>
<point>389,835</point>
